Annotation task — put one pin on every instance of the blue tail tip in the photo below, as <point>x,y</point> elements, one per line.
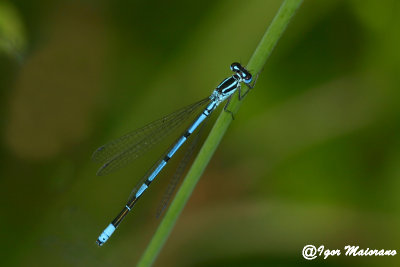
<point>99,243</point>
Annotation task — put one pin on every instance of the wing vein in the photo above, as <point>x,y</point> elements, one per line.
<point>130,146</point>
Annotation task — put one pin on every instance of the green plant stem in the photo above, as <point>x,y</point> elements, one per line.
<point>256,63</point>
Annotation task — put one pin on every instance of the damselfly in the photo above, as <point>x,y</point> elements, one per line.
<point>119,152</point>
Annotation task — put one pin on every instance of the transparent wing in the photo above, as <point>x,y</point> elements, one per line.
<point>157,163</point>
<point>179,172</point>
<point>125,149</point>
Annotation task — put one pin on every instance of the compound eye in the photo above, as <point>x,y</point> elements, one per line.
<point>248,78</point>
<point>235,67</point>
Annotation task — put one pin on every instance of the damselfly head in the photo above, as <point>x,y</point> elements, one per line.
<point>236,67</point>
<point>243,73</point>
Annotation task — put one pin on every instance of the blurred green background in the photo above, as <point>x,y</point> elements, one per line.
<point>312,157</point>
